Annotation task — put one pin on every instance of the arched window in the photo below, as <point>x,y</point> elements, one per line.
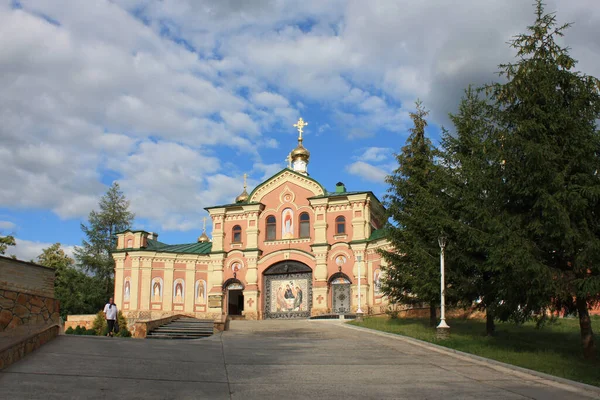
<point>271,227</point>
<point>340,225</point>
<point>129,243</point>
<point>304,225</point>
<point>237,234</point>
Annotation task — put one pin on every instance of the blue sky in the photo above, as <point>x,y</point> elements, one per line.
<point>177,99</point>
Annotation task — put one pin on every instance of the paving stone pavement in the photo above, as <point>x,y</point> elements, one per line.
<point>264,360</point>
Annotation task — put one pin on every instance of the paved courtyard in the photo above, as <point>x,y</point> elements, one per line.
<point>264,360</point>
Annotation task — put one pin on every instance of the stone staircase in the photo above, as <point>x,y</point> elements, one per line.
<point>183,328</point>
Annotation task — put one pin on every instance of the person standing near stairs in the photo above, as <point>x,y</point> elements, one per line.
<point>110,311</point>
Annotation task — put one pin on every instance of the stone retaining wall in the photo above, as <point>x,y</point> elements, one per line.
<point>17,308</point>
<point>21,346</point>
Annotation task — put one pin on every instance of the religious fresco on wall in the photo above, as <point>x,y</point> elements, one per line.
<point>340,260</point>
<point>178,291</point>
<point>127,289</point>
<point>200,291</point>
<point>340,281</point>
<point>289,296</point>
<point>157,289</point>
<point>236,266</point>
<point>287,224</point>
<point>377,281</point>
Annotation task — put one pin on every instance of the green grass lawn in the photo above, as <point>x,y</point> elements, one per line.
<point>553,349</point>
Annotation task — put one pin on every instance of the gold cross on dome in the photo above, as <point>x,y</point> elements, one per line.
<point>204,224</point>
<point>245,176</point>
<point>300,125</point>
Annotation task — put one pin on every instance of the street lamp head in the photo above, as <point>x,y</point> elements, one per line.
<point>442,240</point>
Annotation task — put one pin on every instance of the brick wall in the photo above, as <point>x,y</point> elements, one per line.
<point>23,277</point>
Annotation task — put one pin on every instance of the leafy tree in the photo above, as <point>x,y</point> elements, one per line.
<point>95,253</point>
<point>56,258</point>
<point>413,275</point>
<point>77,292</point>
<point>550,145</point>
<point>6,241</point>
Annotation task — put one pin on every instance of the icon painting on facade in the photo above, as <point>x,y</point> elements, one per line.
<point>377,281</point>
<point>340,260</point>
<point>127,289</point>
<point>287,227</point>
<point>200,291</point>
<point>157,288</point>
<point>236,267</point>
<point>178,294</point>
<point>290,295</point>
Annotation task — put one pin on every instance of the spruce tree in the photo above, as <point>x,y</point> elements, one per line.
<point>412,275</point>
<point>550,144</point>
<point>488,264</point>
<point>95,253</point>
<point>469,169</point>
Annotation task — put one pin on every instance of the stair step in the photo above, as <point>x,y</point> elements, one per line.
<point>183,328</point>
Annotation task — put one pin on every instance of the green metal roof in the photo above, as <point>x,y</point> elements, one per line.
<point>376,234</point>
<point>186,248</point>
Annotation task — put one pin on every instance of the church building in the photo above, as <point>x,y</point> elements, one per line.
<point>288,249</point>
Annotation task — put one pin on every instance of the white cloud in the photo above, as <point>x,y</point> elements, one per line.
<point>375,154</point>
<point>367,171</point>
<point>7,225</point>
<point>27,250</point>
<point>268,170</point>
<point>147,89</point>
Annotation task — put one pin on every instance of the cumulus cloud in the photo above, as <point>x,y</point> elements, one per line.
<point>7,225</point>
<point>375,154</point>
<point>27,250</point>
<point>148,90</point>
<point>367,171</point>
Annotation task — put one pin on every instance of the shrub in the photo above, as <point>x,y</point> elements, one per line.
<point>69,331</point>
<point>123,331</point>
<point>90,332</point>
<point>79,330</point>
<point>99,324</point>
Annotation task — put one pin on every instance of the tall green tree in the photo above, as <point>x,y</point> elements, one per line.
<point>469,185</point>
<point>6,241</point>
<point>550,145</point>
<point>488,263</point>
<point>77,292</point>
<point>414,207</point>
<point>94,255</point>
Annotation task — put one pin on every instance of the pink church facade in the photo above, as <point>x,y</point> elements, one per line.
<point>288,249</point>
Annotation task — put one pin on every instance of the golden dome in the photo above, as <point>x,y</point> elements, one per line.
<point>242,197</point>
<point>203,238</point>
<point>300,151</point>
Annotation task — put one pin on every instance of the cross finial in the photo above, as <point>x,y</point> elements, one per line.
<point>300,125</point>
<point>245,176</point>
<point>289,160</point>
<point>204,224</point>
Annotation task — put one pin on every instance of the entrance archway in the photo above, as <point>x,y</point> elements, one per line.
<point>234,291</point>
<point>288,290</point>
